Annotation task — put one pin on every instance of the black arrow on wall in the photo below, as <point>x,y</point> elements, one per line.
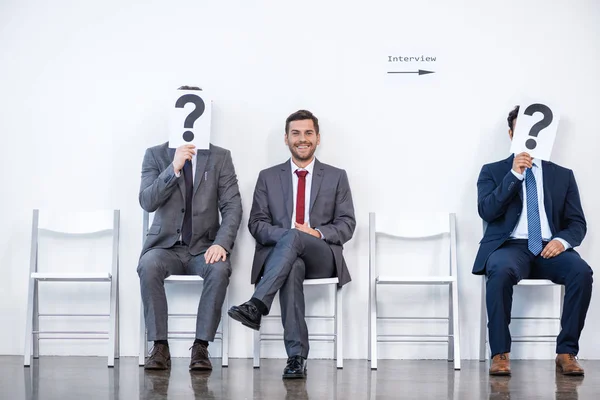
<point>420,72</point>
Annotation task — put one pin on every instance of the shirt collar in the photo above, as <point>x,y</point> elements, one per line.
<point>310,167</point>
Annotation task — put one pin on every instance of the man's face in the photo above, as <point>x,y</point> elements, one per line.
<point>302,139</point>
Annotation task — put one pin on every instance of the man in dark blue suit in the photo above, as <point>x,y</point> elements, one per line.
<point>535,219</point>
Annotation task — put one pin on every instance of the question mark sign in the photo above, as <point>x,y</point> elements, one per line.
<point>188,136</point>
<point>539,126</point>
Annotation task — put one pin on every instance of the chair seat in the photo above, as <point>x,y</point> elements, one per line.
<point>323,281</point>
<point>536,282</point>
<point>414,280</point>
<point>72,277</point>
<point>184,278</point>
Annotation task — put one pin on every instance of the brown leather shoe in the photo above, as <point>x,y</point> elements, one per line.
<point>160,358</point>
<point>500,364</point>
<point>567,364</point>
<point>200,360</point>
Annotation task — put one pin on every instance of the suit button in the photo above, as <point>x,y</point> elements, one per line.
<point>178,230</point>
<point>183,210</point>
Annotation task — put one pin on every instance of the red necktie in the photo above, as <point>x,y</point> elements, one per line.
<point>301,196</point>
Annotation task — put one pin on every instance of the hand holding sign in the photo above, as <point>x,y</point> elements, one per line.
<point>534,135</point>
<point>190,119</point>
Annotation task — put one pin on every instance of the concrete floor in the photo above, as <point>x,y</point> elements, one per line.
<point>88,378</point>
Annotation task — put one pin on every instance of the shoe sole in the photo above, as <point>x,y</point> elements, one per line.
<point>200,368</point>
<point>157,368</point>
<point>500,373</point>
<point>560,370</point>
<point>295,376</point>
<point>241,318</point>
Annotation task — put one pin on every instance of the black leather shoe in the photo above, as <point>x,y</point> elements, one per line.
<point>295,368</point>
<point>247,314</point>
<point>200,360</point>
<point>160,358</point>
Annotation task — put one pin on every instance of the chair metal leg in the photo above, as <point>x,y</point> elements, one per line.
<point>36,318</point>
<point>373,343</point>
<point>339,334</point>
<point>256,349</point>
<point>225,332</point>
<point>29,324</point>
<point>483,325</point>
<point>450,324</point>
<point>143,341</point>
<point>112,329</point>
<point>117,330</point>
<point>455,324</point>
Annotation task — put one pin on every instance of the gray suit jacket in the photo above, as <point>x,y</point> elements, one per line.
<point>331,211</point>
<point>215,189</point>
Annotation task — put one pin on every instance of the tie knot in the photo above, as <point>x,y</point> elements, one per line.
<point>301,173</point>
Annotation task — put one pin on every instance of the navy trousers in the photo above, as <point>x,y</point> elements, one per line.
<point>512,262</point>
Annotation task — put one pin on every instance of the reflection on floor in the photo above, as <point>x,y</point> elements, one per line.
<point>88,378</point>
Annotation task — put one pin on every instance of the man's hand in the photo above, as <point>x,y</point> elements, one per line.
<point>521,162</point>
<point>552,249</point>
<point>215,253</point>
<point>183,153</point>
<point>307,229</point>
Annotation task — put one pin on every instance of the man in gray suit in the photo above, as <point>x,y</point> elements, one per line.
<point>186,189</point>
<point>302,214</point>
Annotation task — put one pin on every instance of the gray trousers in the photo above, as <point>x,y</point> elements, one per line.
<point>158,264</point>
<point>297,256</point>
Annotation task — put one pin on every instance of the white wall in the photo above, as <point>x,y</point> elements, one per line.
<point>84,89</point>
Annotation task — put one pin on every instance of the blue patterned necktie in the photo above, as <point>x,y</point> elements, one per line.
<point>534,226</point>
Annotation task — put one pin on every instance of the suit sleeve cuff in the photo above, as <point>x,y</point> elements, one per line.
<point>564,243</point>
<point>321,233</point>
<point>519,176</point>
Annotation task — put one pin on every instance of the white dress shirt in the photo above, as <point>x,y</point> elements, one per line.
<point>521,230</point>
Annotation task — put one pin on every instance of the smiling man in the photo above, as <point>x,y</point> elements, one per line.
<point>302,214</point>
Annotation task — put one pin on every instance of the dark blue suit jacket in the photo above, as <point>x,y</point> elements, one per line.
<point>499,202</point>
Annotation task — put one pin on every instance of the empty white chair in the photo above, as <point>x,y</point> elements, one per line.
<point>73,225</point>
<point>222,334</point>
<point>414,227</point>
<point>336,337</point>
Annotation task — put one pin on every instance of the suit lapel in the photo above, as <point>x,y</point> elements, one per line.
<point>180,182</point>
<point>547,176</point>
<point>201,161</point>
<point>316,183</point>
<point>285,175</point>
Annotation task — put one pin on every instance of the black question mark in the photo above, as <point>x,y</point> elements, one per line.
<point>538,127</point>
<point>188,136</point>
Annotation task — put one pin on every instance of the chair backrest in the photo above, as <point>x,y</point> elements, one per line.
<point>75,224</point>
<point>412,226</point>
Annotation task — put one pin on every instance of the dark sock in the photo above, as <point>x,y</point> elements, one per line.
<point>202,342</point>
<point>162,342</point>
<point>260,305</point>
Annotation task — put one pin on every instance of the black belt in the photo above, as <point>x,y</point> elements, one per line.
<point>180,243</point>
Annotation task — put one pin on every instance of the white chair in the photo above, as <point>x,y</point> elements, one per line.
<point>414,227</point>
<point>222,334</point>
<point>483,350</point>
<point>523,338</point>
<point>336,337</point>
<point>73,225</point>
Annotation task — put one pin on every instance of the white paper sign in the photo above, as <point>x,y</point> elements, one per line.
<point>190,119</point>
<point>535,131</point>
